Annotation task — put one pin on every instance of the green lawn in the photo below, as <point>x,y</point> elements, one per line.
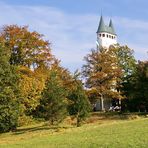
<point>109,134</point>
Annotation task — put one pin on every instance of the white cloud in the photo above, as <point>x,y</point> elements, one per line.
<point>73,35</point>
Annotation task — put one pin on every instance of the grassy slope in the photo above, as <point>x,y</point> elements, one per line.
<point>110,134</point>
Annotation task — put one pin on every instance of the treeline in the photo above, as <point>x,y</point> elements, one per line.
<point>33,83</point>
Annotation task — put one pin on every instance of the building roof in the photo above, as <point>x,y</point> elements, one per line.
<point>104,28</point>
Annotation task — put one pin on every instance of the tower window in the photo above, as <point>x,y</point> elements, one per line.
<point>100,35</point>
<point>112,37</point>
<point>103,35</point>
<point>107,35</point>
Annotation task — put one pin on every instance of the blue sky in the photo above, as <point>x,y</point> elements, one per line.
<point>70,25</point>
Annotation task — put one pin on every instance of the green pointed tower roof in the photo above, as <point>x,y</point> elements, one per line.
<point>111,26</point>
<point>101,27</point>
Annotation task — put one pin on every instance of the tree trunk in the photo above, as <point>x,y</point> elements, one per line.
<point>102,103</point>
<point>78,120</point>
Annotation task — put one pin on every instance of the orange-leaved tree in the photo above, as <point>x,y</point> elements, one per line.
<point>27,48</point>
<point>102,73</point>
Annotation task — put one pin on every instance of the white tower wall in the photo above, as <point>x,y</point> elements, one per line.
<point>106,39</point>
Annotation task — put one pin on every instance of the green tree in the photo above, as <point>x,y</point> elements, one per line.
<point>53,105</point>
<point>79,105</point>
<point>138,91</point>
<point>9,104</point>
<point>126,60</point>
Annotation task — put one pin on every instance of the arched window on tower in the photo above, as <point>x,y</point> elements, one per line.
<point>100,35</point>
<point>103,35</point>
<point>107,35</point>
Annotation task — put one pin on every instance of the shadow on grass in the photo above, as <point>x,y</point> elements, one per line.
<point>38,128</point>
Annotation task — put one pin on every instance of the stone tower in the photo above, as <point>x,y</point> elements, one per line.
<point>106,35</point>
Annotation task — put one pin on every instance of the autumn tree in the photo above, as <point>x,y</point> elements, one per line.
<point>9,94</point>
<point>102,72</point>
<point>27,48</point>
<point>92,95</point>
<point>31,54</point>
<point>31,85</point>
<point>64,75</point>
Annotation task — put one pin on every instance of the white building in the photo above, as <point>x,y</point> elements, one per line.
<point>106,35</point>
